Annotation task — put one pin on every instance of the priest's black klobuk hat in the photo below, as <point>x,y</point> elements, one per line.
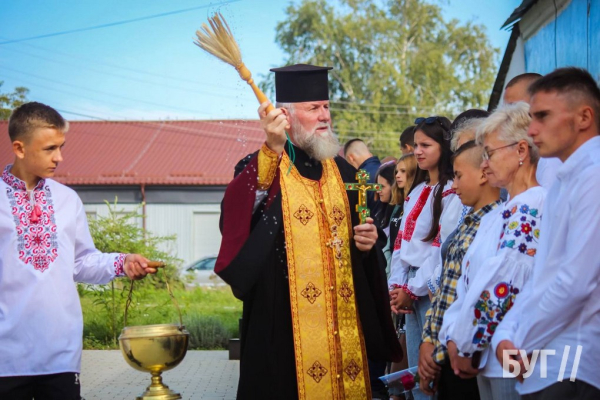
<point>301,82</point>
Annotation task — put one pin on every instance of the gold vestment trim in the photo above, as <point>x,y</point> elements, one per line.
<point>331,360</point>
<point>267,166</point>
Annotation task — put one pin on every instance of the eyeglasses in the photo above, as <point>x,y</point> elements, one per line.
<point>431,121</point>
<point>487,154</point>
<point>428,120</point>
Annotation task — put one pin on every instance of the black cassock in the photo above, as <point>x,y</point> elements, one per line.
<point>253,261</point>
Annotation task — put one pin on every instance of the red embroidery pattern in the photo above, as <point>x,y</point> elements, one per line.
<point>411,220</point>
<point>317,371</point>
<point>352,370</point>
<point>36,232</point>
<point>337,215</point>
<point>345,292</point>
<point>310,293</point>
<point>119,263</point>
<point>398,241</point>
<point>448,192</point>
<point>303,214</point>
<point>437,242</point>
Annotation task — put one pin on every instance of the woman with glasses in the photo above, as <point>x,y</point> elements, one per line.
<point>500,260</point>
<point>431,212</point>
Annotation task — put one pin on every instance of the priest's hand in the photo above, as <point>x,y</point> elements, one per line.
<point>136,267</point>
<point>365,235</point>
<point>274,124</point>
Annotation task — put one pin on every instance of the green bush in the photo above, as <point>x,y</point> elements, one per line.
<point>154,306</point>
<point>210,314</point>
<point>119,233</point>
<point>206,332</point>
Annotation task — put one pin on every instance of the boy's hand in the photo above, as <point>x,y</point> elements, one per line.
<point>460,365</point>
<point>137,266</point>
<point>428,368</point>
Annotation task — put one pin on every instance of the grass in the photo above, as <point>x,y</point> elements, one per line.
<point>210,314</point>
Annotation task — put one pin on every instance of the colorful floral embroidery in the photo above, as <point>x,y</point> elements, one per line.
<point>501,290</point>
<point>37,242</point>
<point>490,310</point>
<point>520,230</point>
<point>119,264</point>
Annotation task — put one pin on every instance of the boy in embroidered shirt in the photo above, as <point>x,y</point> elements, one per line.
<point>45,246</point>
<point>474,190</point>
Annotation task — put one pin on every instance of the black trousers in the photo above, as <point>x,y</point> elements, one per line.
<point>452,387</point>
<point>566,390</point>
<point>64,386</point>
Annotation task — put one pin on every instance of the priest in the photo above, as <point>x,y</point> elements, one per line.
<point>310,275</point>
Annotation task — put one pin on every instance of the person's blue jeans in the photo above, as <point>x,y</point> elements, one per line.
<point>414,331</point>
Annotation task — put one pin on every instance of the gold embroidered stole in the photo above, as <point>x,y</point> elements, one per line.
<point>331,360</point>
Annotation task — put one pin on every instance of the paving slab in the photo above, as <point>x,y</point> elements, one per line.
<point>202,375</point>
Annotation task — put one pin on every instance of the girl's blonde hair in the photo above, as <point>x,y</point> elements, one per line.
<point>399,194</point>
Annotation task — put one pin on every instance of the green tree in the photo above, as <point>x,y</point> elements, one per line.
<point>393,61</point>
<point>10,101</point>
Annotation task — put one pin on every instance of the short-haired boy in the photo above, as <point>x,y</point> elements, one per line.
<point>45,247</point>
<point>474,190</point>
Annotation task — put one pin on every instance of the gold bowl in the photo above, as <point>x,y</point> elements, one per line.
<point>154,349</point>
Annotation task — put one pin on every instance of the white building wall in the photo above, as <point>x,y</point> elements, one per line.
<point>195,225</point>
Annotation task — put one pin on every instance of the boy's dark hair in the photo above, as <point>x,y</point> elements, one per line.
<point>30,116</point>
<point>349,143</point>
<point>573,81</point>
<point>407,137</point>
<point>528,77</point>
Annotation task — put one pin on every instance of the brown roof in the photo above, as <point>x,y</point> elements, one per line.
<point>150,152</point>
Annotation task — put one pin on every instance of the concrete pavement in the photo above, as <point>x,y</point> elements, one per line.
<point>202,375</point>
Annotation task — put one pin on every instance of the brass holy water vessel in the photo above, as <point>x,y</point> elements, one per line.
<point>154,349</point>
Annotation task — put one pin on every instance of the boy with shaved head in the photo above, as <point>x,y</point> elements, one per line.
<point>474,190</point>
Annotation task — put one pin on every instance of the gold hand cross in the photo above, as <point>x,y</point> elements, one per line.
<point>362,186</point>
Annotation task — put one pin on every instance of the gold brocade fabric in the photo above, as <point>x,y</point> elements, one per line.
<point>331,360</point>
<point>267,167</point>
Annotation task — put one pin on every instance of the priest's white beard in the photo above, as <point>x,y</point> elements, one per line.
<point>320,146</point>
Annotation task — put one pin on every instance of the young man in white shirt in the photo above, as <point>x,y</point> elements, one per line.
<point>517,89</point>
<point>560,310</point>
<point>45,247</point>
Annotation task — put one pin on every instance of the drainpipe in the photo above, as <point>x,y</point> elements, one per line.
<point>143,191</point>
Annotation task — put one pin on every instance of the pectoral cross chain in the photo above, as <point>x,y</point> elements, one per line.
<point>336,244</point>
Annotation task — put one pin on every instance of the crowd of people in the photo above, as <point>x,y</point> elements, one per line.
<point>491,222</point>
<point>481,244</point>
